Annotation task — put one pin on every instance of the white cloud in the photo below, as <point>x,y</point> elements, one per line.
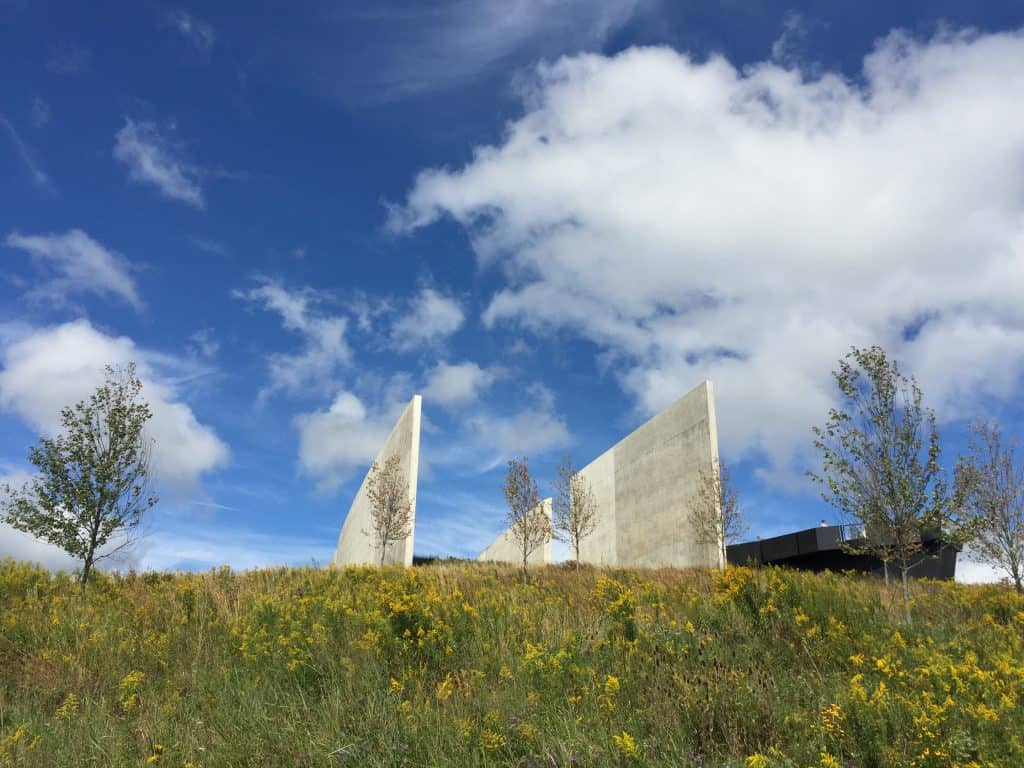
<point>152,158</point>
<point>366,309</point>
<point>324,347</point>
<point>205,343</point>
<point>197,32</point>
<point>79,265</point>
<point>698,221</point>
<point>788,45</point>
<point>534,429</point>
<point>333,444</point>
<point>452,385</point>
<point>22,546</point>
<point>432,317</point>
<point>50,368</point>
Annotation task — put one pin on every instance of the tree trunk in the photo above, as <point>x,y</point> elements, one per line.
<point>905,575</point>
<point>885,569</point>
<point>525,578</point>
<point>383,551</point>
<point>86,569</point>
<point>577,548</point>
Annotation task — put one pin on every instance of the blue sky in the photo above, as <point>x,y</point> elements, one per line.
<point>551,218</point>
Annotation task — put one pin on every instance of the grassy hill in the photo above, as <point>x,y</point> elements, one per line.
<point>460,665</point>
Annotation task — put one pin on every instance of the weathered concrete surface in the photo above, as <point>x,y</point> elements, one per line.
<point>645,486</point>
<point>504,550</point>
<point>355,543</point>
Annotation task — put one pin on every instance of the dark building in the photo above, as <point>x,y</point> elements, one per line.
<point>826,548</point>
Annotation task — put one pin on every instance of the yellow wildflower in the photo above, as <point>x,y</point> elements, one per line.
<point>625,743</point>
<point>611,685</point>
<point>68,707</point>
<point>491,740</point>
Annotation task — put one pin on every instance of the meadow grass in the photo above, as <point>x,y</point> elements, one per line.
<point>461,665</point>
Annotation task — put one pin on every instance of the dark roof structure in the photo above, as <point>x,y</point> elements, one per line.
<point>828,548</point>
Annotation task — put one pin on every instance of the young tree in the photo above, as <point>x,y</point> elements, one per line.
<point>880,461</point>
<point>390,505</point>
<point>989,485</point>
<point>529,526</point>
<point>92,485</point>
<point>575,507</point>
<point>715,515</point>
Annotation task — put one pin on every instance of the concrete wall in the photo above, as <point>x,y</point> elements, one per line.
<point>504,550</point>
<point>355,543</point>
<point>645,484</point>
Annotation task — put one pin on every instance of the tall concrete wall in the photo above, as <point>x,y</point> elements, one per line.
<point>646,484</point>
<point>504,550</point>
<point>355,543</point>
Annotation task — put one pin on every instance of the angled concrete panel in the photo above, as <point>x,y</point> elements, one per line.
<point>645,486</point>
<point>504,550</point>
<point>355,543</point>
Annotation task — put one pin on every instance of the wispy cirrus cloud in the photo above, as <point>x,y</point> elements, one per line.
<point>74,263</point>
<point>196,32</point>
<point>40,179</point>
<point>399,48</point>
<point>152,157</point>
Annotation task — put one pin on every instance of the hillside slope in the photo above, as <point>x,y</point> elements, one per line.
<point>460,665</point>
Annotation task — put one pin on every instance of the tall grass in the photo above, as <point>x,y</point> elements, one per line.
<point>461,665</point>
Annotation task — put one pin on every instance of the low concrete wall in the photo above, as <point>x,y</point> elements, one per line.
<point>645,485</point>
<point>504,550</point>
<point>355,543</point>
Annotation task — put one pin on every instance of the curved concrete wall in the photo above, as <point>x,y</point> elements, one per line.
<point>646,483</point>
<point>504,550</point>
<point>355,543</point>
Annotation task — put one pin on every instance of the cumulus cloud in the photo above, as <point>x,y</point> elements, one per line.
<point>49,368</point>
<point>747,226</point>
<point>77,264</point>
<point>432,317</point>
<point>22,546</point>
<point>458,384</point>
<point>534,429</point>
<point>324,347</point>
<point>153,158</point>
<point>334,443</point>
